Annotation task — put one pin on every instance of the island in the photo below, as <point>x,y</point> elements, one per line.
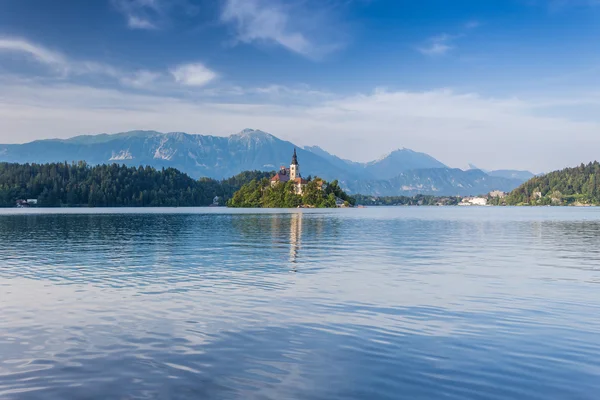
<point>288,189</point>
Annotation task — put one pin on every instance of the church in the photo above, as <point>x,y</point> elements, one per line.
<point>291,174</point>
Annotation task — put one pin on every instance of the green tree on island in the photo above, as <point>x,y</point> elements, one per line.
<point>316,193</point>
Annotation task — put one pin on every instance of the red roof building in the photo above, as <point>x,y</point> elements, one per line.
<point>293,173</point>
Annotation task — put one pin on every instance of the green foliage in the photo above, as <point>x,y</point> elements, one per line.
<point>334,188</point>
<point>317,193</point>
<point>579,185</point>
<point>418,200</point>
<point>78,184</point>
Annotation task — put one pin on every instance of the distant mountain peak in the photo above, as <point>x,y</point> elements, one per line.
<point>398,151</point>
<point>253,134</point>
<point>398,172</point>
<point>314,147</point>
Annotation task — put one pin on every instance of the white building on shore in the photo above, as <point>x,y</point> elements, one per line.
<point>473,201</point>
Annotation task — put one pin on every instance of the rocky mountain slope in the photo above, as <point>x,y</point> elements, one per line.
<point>197,155</point>
<point>402,171</point>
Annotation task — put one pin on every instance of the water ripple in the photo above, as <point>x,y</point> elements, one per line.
<point>421,303</point>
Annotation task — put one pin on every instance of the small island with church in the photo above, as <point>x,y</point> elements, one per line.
<point>288,189</point>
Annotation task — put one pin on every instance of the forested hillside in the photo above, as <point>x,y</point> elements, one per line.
<point>79,184</point>
<point>579,185</point>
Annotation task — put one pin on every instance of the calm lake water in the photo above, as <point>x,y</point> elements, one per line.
<point>376,303</point>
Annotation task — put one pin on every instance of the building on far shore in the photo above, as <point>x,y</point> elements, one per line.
<point>291,174</point>
<point>473,201</point>
<point>27,203</point>
<point>499,194</point>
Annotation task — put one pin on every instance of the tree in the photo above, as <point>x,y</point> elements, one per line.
<point>283,195</point>
<point>78,184</point>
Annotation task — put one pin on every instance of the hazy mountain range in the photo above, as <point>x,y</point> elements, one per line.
<point>400,172</point>
<point>507,173</point>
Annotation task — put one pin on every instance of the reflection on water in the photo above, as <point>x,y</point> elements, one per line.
<point>295,237</point>
<point>384,303</point>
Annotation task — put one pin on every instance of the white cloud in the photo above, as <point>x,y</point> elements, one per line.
<point>39,53</point>
<point>135,22</point>
<point>472,24</point>
<point>285,24</point>
<point>140,12</point>
<point>438,45</point>
<point>56,60</point>
<point>65,67</point>
<point>453,127</point>
<point>141,79</point>
<point>442,44</point>
<point>195,74</point>
<point>151,14</point>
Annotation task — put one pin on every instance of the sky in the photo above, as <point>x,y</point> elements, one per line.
<point>501,84</point>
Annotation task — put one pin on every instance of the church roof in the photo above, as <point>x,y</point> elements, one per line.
<point>294,158</point>
<point>301,181</point>
<point>281,176</point>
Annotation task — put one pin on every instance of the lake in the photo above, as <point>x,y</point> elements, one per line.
<point>375,303</point>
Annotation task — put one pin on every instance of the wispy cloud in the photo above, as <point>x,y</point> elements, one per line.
<point>473,24</point>
<point>55,60</point>
<point>151,14</point>
<point>273,21</point>
<point>139,12</point>
<point>141,79</point>
<point>63,67</point>
<point>39,53</point>
<point>135,22</point>
<point>438,45</point>
<point>493,127</point>
<point>195,74</point>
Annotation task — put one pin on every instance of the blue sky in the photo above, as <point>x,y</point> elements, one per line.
<point>501,84</point>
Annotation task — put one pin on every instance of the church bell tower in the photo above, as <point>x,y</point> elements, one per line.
<point>294,167</point>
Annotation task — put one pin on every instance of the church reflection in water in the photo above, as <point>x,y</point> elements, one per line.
<point>295,237</point>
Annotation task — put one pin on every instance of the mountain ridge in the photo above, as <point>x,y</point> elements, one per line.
<point>220,157</point>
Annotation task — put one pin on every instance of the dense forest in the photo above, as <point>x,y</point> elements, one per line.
<point>79,184</point>
<point>418,200</point>
<point>317,193</point>
<point>570,186</point>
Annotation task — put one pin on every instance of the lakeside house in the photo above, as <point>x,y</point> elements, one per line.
<point>498,194</point>
<point>291,174</point>
<point>27,203</point>
<point>473,201</point>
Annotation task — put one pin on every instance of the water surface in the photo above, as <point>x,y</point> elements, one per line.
<point>376,303</point>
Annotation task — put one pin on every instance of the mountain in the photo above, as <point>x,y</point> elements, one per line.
<point>506,173</point>
<point>356,169</point>
<point>434,181</point>
<point>197,155</point>
<point>402,171</point>
<point>386,167</point>
<point>578,186</point>
<point>399,161</point>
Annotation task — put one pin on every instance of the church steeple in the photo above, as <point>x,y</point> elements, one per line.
<point>294,167</point>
